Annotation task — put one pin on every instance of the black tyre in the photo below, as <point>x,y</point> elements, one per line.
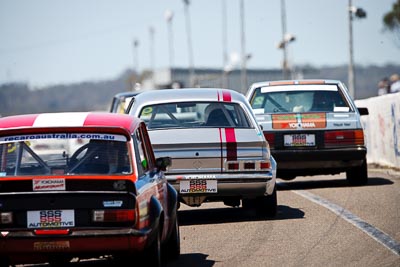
<point>287,177</point>
<point>59,261</point>
<point>152,254</point>
<point>4,262</point>
<point>267,206</point>
<point>171,249</point>
<point>358,175</point>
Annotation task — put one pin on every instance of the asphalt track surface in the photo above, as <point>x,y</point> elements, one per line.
<point>321,221</point>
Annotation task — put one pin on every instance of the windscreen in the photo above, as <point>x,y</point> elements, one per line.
<point>307,98</point>
<point>64,154</point>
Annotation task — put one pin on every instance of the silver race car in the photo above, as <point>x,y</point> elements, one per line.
<point>218,150</point>
<point>313,128</point>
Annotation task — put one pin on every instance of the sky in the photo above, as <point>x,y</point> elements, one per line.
<point>50,42</point>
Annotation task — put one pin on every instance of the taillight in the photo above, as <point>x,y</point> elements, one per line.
<point>114,216</point>
<point>344,137</point>
<point>265,165</point>
<point>249,165</point>
<point>255,165</point>
<point>52,231</point>
<point>233,166</point>
<point>270,138</point>
<point>6,218</point>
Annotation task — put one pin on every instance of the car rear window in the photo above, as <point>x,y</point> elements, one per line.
<point>194,115</point>
<point>299,98</point>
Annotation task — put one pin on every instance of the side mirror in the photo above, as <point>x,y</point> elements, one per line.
<point>363,111</point>
<point>163,162</point>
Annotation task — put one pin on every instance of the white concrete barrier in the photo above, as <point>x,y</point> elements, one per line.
<point>382,129</point>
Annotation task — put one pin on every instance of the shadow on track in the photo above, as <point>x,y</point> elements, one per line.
<point>331,183</point>
<point>229,215</point>
<point>192,260</point>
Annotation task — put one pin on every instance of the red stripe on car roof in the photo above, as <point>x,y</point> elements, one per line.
<point>226,96</point>
<point>18,121</point>
<point>109,119</point>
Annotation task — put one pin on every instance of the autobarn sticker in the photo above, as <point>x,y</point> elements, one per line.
<point>299,121</point>
<point>48,184</point>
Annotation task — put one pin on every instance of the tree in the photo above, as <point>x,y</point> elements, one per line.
<point>391,20</point>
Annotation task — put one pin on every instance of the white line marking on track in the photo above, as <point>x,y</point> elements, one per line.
<point>369,229</point>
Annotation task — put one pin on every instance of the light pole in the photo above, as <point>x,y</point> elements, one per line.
<point>286,39</point>
<point>189,40</point>
<point>283,22</point>
<point>151,34</point>
<point>135,76</point>
<point>243,49</point>
<point>168,17</point>
<point>224,47</point>
<point>135,45</point>
<point>359,13</point>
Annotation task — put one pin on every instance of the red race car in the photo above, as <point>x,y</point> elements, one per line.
<point>83,185</point>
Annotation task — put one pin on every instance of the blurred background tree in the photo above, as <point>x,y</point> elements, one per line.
<point>391,21</point>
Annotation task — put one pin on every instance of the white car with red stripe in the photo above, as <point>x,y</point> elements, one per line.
<point>81,184</point>
<point>313,128</point>
<point>218,150</point>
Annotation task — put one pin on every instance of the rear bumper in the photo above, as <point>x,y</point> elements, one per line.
<point>243,185</point>
<point>321,161</point>
<point>19,245</point>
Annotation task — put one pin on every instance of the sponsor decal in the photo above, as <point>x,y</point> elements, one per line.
<point>299,121</point>
<point>198,186</point>
<point>201,176</point>
<point>112,203</point>
<point>98,136</point>
<point>48,184</point>
<point>119,185</point>
<point>50,218</point>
